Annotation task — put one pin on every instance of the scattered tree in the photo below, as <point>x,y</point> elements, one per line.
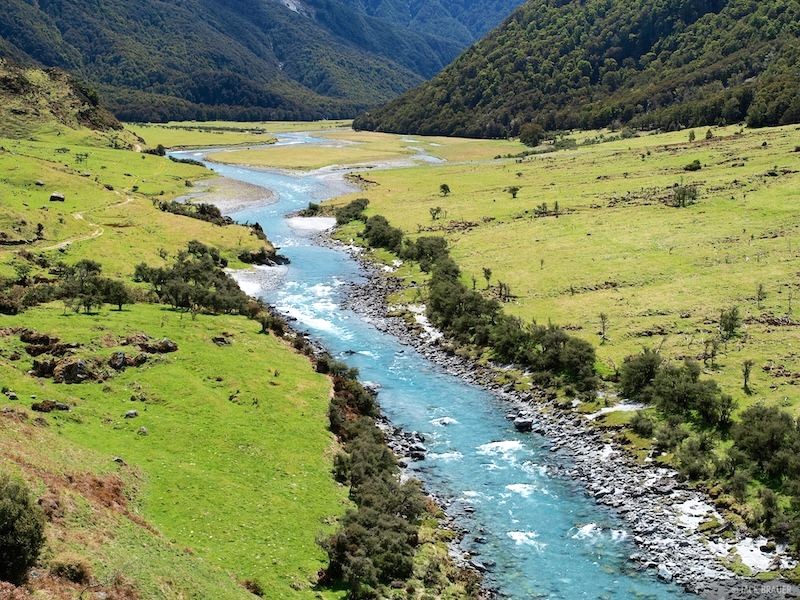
<point>444,189</point>
<point>729,323</point>
<point>436,212</point>
<point>692,136</point>
<point>603,328</point>
<point>513,190</point>
<point>761,295</point>
<point>747,367</point>
<point>487,275</point>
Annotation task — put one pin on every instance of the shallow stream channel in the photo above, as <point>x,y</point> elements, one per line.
<point>538,535</point>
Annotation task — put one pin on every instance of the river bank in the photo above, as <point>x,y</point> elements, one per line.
<point>667,519</point>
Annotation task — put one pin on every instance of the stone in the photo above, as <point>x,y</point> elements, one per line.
<point>11,395</point>
<point>523,424</point>
<point>57,197</point>
<point>46,406</point>
<point>72,370</point>
<point>39,183</point>
<point>162,346</point>
<point>664,574</point>
<point>131,414</point>
<point>142,431</point>
<point>118,361</point>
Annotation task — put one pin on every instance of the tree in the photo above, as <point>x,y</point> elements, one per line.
<point>531,134</point>
<point>487,275</point>
<point>83,285</point>
<point>747,367</point>
<point>116,292</point>
<point>603,328</point>
<point>729,323</point>
<point>513,190</point>
<point>21,530</point>
<point>637,373</point>
<point>444,189</point>
<point>761,295</point>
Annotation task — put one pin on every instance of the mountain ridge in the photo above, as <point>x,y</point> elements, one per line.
<point>239,59</point>
<point>590,64</point>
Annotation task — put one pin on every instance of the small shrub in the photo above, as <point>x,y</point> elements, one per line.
<point>21,530</point>
<point>693,166</point>
<point>71,567</point>
<point>684,195</point>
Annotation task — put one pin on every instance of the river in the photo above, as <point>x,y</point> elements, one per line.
<point>539,535</point>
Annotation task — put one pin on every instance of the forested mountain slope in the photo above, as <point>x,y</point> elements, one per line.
<point>244,59</point>
<point>590,63</point>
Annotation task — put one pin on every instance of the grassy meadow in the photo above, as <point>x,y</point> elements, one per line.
<point>233,480</point>
<point>234,472</point>
<point>660,274</point>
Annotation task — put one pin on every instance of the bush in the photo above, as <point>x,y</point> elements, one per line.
<point>380,234</point>
<point>642,424</point>
<point>637,374</point>
<point>71,567</point>
<point>531,134</point>
<point>695,165</point>
<point>21,530</point>
<point>352,211</point>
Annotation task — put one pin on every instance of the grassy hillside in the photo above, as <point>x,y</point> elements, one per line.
<point>243,59</point>
<point>232,481</point>
<point>661,274</point>
<point>224,474</point>
<point>589,64</point>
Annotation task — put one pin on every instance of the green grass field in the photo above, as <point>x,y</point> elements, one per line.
<point>661,274</point>
<point>236,464</point>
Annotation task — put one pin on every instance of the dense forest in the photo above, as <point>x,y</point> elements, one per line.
<point>244,59</point>
<point>593,63</point>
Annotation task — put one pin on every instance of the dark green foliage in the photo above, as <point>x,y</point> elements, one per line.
<point>352,211</point>
<point>677,390</point>
<point>770,438</point>
<point>642,424</point>
<point>375,543</point>
<point>380,234</point>
<point>531,134</point>
<point>649,63</point>
<point>470,318</point>
<point>83,287</point>
<point>637,374</point>
<point>196,281</point>
<point>21,530</point>
<point>729,322</point>
<point>695,165</point>
<point>426,250</point>
<point>245,59</point>
<point>695,456</point>
<point>201,210</point>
